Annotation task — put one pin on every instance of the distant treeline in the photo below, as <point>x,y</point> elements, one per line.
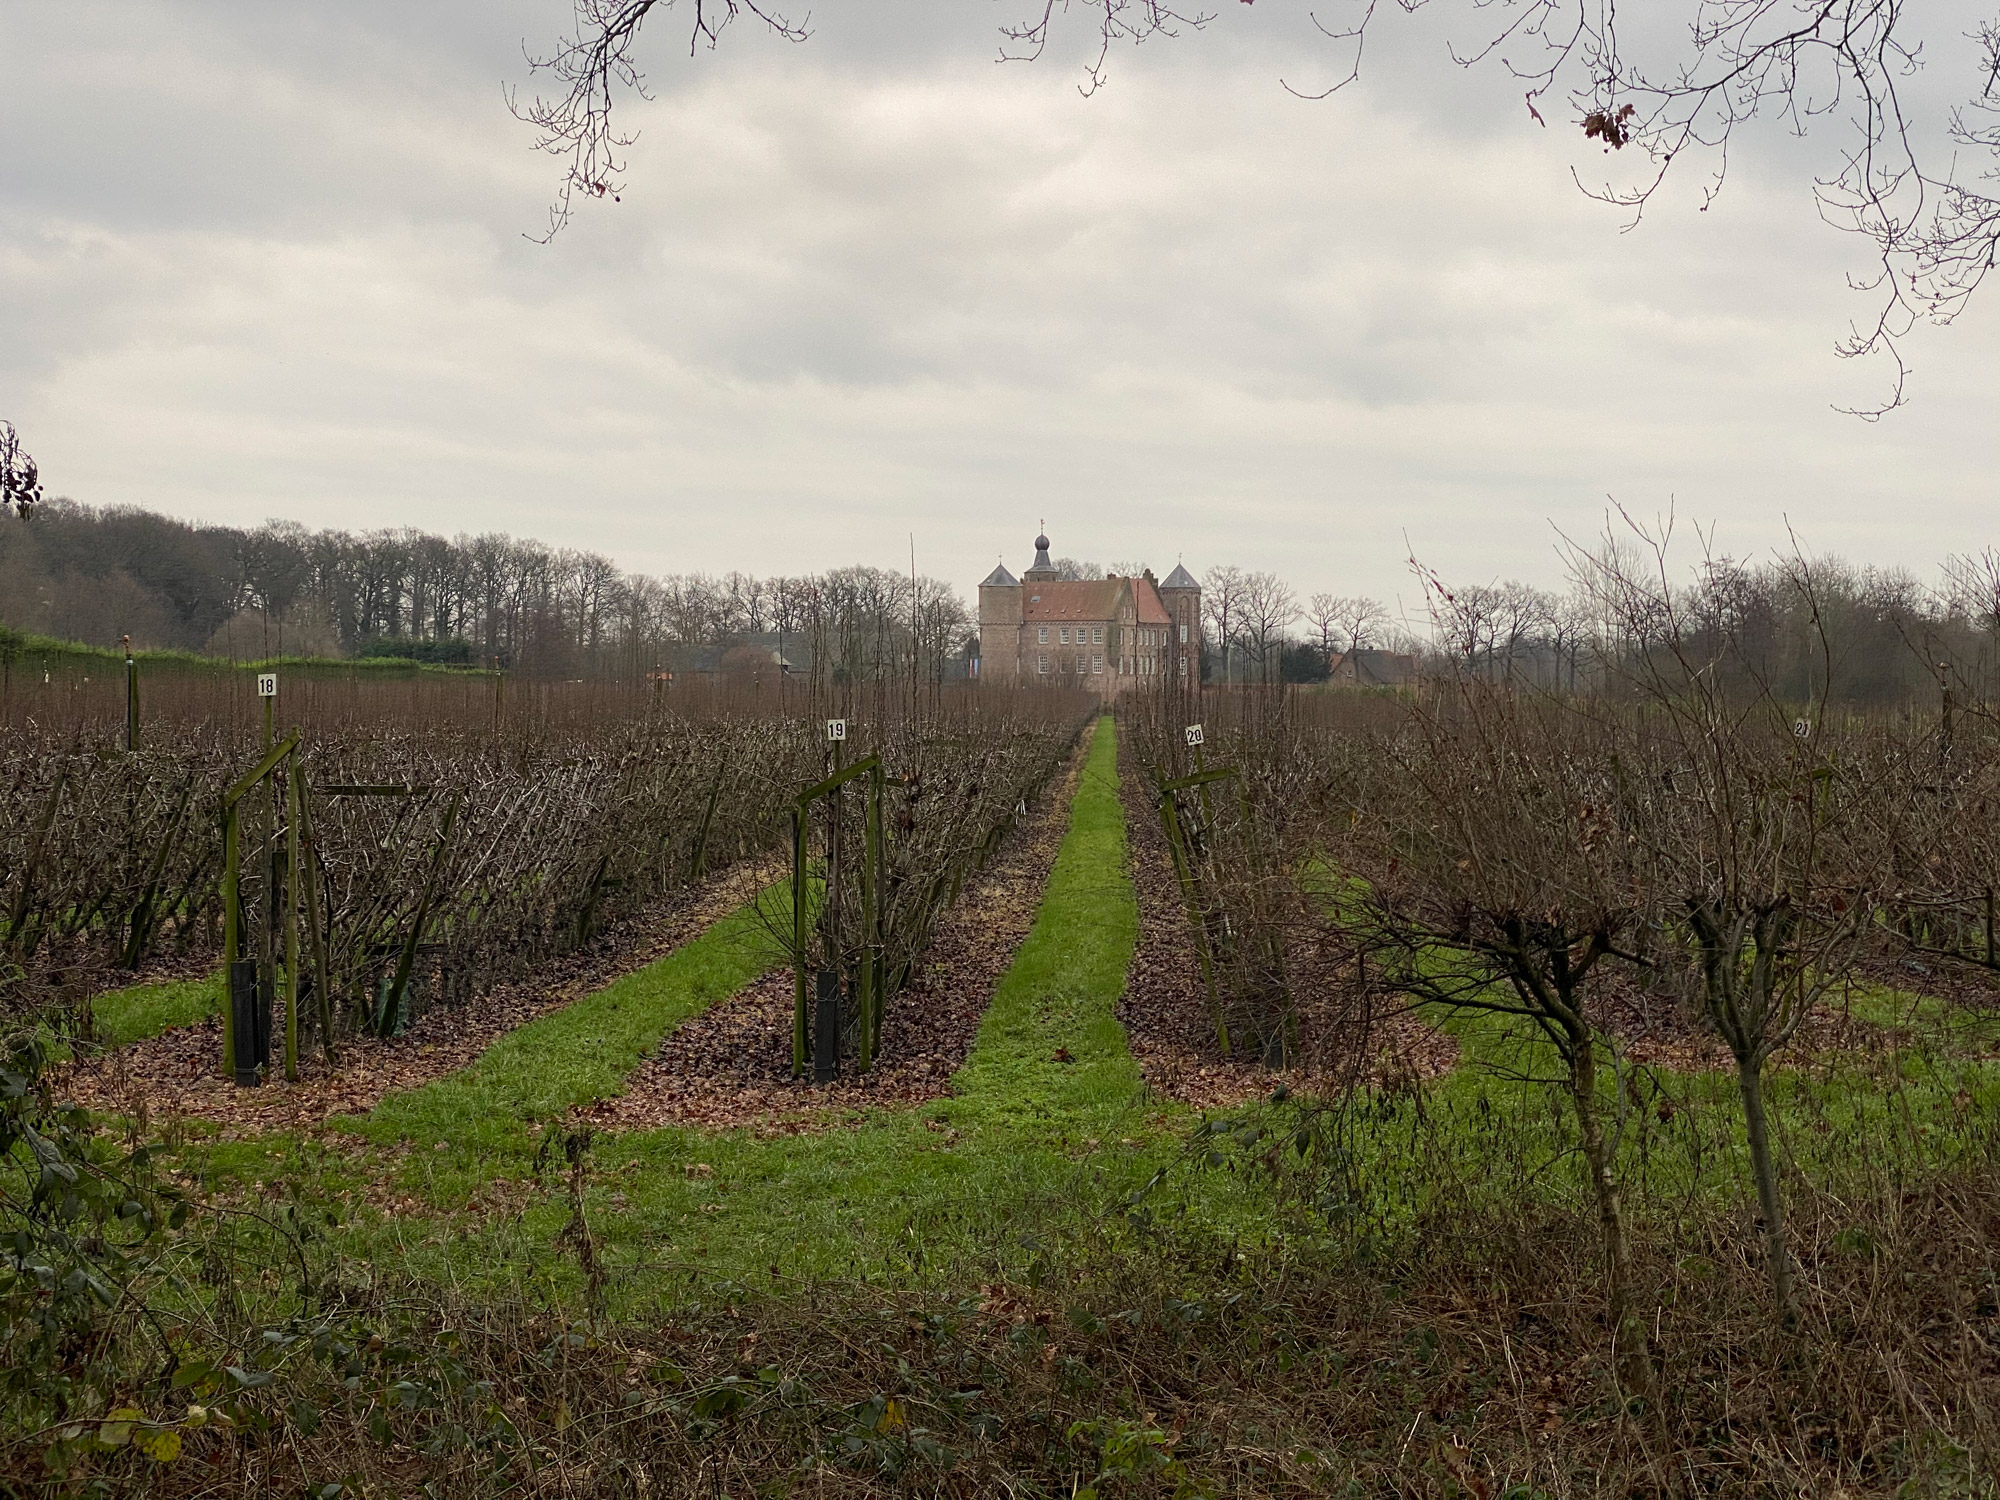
<point>93,575</point>
<point>1805,628</point>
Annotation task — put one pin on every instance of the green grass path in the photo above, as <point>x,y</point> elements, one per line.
<point>582,1052</point>
<point>138,1011</point>
<point>1047,1118</point>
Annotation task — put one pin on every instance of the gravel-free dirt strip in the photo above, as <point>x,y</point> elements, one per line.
<point>731,1066</point>
<point>177,1073</point>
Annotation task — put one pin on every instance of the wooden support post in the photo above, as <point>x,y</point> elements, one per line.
<point>131,698</point>
<point>1183,868</point>
<point>868,989</point>
<point>315,933</point>
<point>698,856</point>
<point>232,926</point>
<point>802,807</point>
<point>392,1005</point>
<point>830,916</point>
<point>292,927</point>
<point>799,941</point>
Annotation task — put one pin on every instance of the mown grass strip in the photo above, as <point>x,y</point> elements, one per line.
<point>582,1052</point>
<point>1047,1119</point>
<point>138,1011</point>
<point>1046,1088</point>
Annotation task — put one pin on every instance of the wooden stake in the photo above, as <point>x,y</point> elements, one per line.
<point>799,941</point>
<point>316,935</point>
<point>292,928</point>
<point>232,927</point>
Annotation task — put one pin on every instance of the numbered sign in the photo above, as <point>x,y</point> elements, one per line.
<point>836,729</point>
<point>1801,728</point>
<point>1193,735</point>
<point>267,684</point>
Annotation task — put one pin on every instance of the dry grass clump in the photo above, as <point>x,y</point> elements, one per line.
<point>1467,1358</point>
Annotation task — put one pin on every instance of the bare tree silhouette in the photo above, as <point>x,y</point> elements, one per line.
<point>20,480</point>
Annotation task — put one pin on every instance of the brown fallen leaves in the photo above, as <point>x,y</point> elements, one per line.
<point>1166,1015</point>
<point>1656,1028</point>
<point>177,1073</point>
<point>731,1067</point>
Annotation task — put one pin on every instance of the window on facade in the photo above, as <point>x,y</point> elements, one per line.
<point>1042,635</point>
<point>1183,635</point>
<point>1041,663</point>
<point>1097,635</point>
<point>1063,636</point>
<point>1097,664</point>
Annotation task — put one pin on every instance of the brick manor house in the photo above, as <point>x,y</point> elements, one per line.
<point>1108,635</point>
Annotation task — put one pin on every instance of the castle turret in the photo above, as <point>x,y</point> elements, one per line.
<point>1043,571</point>
<point>1182,596</point>
<point>1000,621</point>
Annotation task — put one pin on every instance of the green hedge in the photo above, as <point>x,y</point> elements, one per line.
<point>38,651</point>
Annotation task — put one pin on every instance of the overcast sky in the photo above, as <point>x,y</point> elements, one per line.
<point>269,261</point>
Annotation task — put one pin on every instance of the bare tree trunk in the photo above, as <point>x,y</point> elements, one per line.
<point>1631,1346</point>
<point>1750,1079</point>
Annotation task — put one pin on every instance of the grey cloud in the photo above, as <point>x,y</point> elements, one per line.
<point>272,264</point>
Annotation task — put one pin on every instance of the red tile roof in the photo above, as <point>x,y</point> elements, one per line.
<point>1093,600</point>
<point>1067,600</point>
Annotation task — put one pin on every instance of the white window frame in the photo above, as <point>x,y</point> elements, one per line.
<point>1097,663</point>
<point>1041,635</point>
<point>1097,635</point>
<point>1042,665</point>
<point>1063,635</point>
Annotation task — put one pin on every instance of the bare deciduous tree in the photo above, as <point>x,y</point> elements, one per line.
<point>1222,589</point>
<point>20,480</point>
<point>1322,615</point>
<point>1500,876</point>
<point>1269,606</point>
<point>1754,815</point>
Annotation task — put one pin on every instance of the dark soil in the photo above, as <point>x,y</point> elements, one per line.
<point>732,1066</point>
